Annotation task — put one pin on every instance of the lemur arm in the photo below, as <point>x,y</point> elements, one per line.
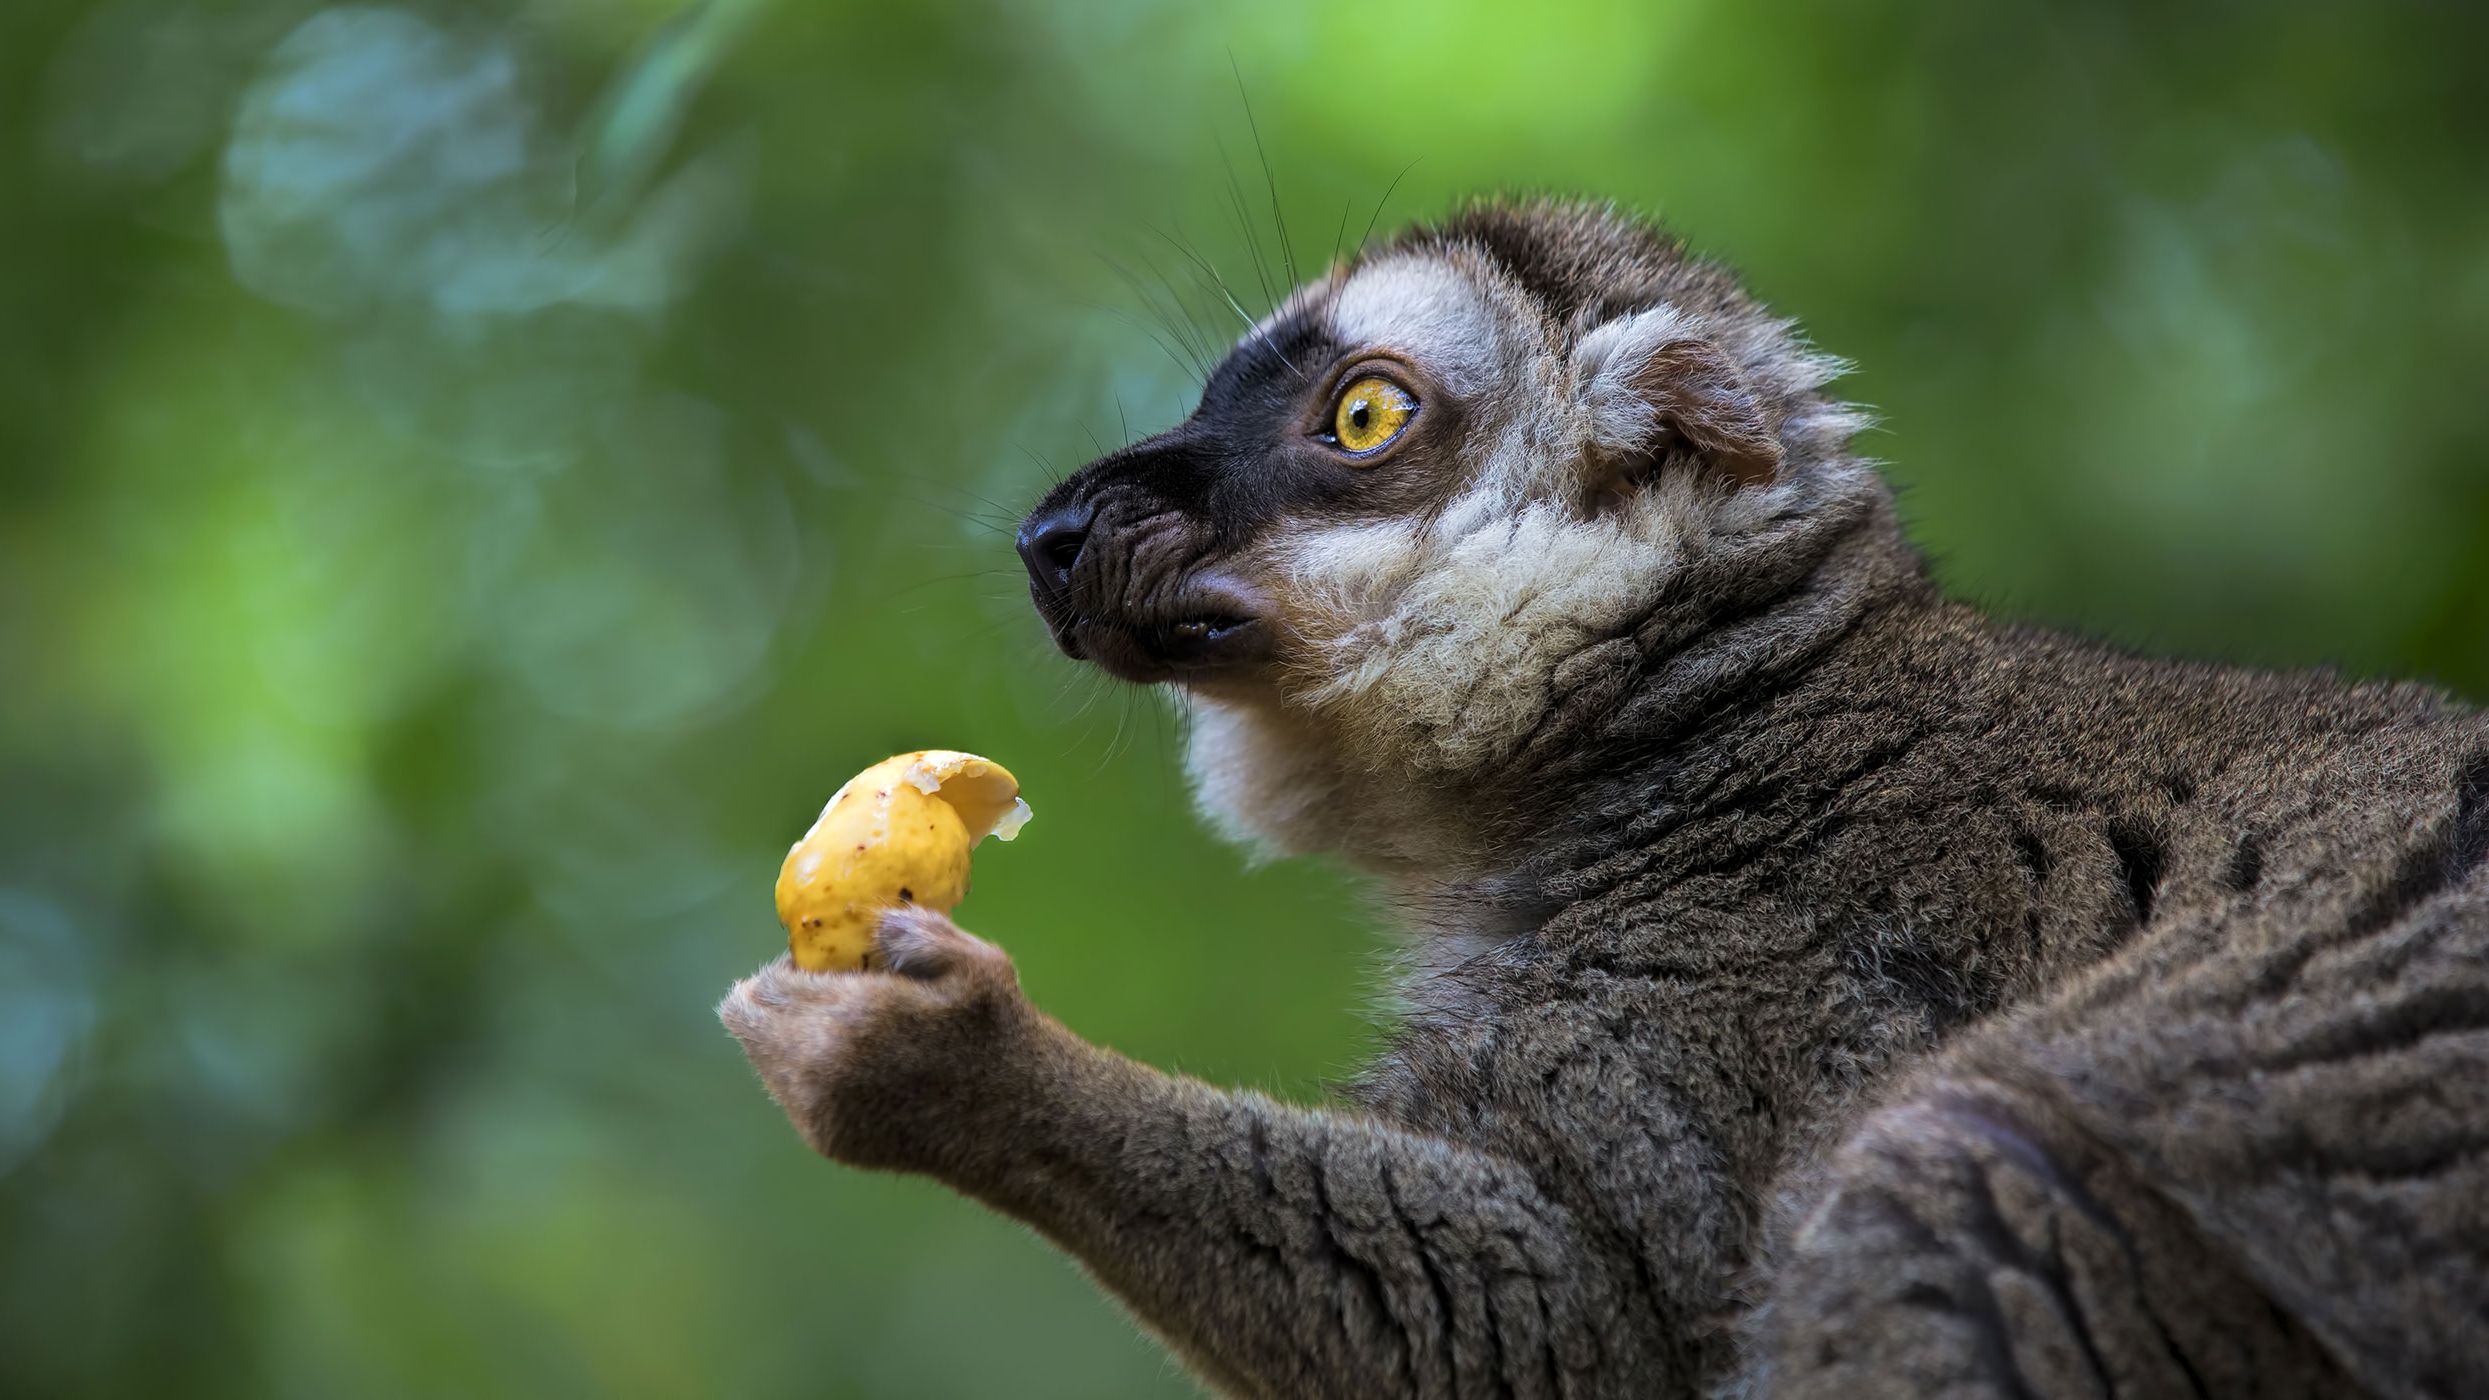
<point>1283,1251</point>
<point>1298,1252</point>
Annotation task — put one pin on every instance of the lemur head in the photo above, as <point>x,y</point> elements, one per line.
<point>1437,515</point>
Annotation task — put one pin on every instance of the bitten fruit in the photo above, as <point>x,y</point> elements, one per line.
<point>898,833</point>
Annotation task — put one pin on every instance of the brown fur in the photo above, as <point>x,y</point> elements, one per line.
<point>1821,989</point>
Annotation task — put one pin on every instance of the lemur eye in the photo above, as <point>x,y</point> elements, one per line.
<point>1371,412</point>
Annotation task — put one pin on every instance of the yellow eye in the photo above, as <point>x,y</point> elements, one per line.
<point>1371,412</point>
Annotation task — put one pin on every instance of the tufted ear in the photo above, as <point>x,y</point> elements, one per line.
<point>1658,391</point>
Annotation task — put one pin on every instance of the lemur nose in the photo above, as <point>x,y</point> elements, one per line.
<point>1050,544</point>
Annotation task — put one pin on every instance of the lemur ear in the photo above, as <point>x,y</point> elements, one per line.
<point>1655,390</point>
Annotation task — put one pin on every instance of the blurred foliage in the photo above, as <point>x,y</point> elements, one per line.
<point>477,475</point>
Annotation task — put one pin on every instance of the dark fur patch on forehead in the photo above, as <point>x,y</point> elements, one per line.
<point>1297,346</point>
<point>1583,264</point>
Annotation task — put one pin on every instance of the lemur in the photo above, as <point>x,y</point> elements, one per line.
<point>1819,988</point>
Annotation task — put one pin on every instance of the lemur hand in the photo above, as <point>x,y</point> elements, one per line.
<point>911,1065</point>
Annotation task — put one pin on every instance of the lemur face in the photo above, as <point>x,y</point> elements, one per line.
<point>1362,400</point>
<point>1431,476</point>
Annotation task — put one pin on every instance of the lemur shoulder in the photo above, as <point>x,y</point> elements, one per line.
<point>1821,989</point>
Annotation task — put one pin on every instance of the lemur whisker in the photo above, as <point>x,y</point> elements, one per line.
<point>1200,338</point>
<point>1177,325</point>
<point>1008,513</point>
<point>1278,219</point>
<point>1180,359</point>
<point>1083,680</point>
<point>1044,464</point>
<point>1208,273</point>
<point>1063,689</point>
<point>1006,518</point>
<point>1380,204</point>
<point>1244,225</point>
<point>1136,704</point>
<point>1282,357</point>
<point>920,584</point>
<point>1088,707</point>
<point>1106,756</point>
<point>1154,327</point>
<point>1255,339</point>
<point>968,516</point>
<point>1158,741</point>
<point>1168,772</point>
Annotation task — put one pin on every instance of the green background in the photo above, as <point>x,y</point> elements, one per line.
<point>477,476</point>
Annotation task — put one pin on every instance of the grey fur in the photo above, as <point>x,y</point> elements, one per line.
<point>1822,990</point>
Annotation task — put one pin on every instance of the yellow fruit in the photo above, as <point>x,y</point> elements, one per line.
<point>898,833</point>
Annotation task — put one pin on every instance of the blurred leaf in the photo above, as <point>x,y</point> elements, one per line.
<point>634,123</point>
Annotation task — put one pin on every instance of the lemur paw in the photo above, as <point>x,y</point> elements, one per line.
<point>878,1068</point>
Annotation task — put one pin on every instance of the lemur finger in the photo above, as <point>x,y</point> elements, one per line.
<point>742,1011</point>
<point>925,945</point>
<point>778,988</point>
<point>767,986</point>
